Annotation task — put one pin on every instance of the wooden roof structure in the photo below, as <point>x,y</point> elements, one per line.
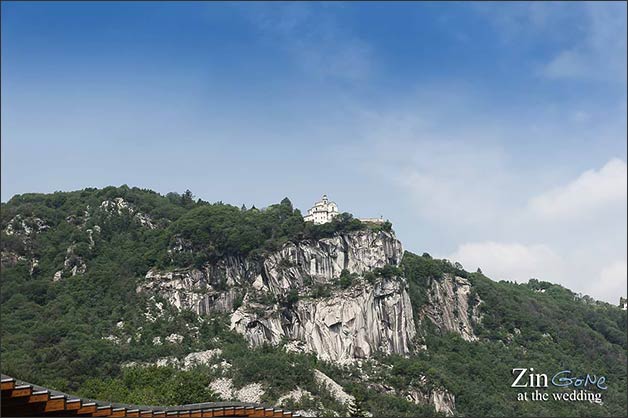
<point>24,399</point>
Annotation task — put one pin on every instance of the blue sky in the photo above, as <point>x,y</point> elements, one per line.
<point>493,134</point>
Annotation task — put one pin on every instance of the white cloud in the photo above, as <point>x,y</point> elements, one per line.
<point>611,282</point>
<point>454,173</point>
<point>519,262</point>
<point>473,198</point>
<point>592,191</point>
<point>444,181</point>
<point>511,261</point>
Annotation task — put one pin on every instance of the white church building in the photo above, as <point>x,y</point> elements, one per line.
<point>324,211</point>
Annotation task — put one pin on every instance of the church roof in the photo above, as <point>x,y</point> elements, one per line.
<point>324,201</point>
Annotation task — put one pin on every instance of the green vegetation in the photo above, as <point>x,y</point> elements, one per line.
<point>420,270</point>
<point>206,231</point>
<point>346,279</point>
<point>536,324</point>
<point>54,333</point>
<point>218,230</point>
<point>152,386</point>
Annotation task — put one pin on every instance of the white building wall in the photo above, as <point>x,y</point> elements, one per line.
<point>322,212</point>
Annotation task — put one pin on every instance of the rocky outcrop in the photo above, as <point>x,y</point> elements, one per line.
<point>452,307</point>
<point>224,388</point>
<point>186,363</point>
<point>119,206</point>
<point>199,290</point>
<point>24,226</point>
<point>20,231</point>
<point>443,401</point>
<point>348,324</point>
<point>294,396</point>
<point>322,261</point>
<point>34,266</point>
<point>73,264</point>
<point>352,323</point>
<point>297,265</point>
<point>334,389</point>
<point>90,235</point>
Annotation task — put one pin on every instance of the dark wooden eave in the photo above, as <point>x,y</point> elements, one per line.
<point>24,399</point>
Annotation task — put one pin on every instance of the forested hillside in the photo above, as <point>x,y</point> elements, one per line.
<point>74,320</point>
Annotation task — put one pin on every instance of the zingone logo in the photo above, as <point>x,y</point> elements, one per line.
<point>525,378</point>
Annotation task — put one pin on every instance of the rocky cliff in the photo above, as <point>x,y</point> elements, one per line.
<point>350,324</point>
<point>452,306</point>
<point>341,325</point>
<point>323,260</point>
<point>344,324</point>
<point>277,299</point>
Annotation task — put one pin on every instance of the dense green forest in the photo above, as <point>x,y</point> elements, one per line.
<point>53,329</point>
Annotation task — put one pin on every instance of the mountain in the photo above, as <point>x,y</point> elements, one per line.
<point>123,294</point>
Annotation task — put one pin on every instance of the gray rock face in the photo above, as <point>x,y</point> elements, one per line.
<point>119,206</point>
<point>199,290</point>
<point>442,400</point>
<point>322,261</point>
<point>23,229</point>
<point>348,325</point>
<point>333,388</point>
<point>25,226</point>
<point>295,266</point>
<point>72,265</point>
<point>186,363</point>
<point>345,325</point>
<point>351,323</point>
<point>451,307</point>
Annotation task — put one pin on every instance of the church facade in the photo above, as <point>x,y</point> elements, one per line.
<point>322,212</point>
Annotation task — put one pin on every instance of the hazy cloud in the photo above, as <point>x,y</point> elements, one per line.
<point>591,191</point>
<point>511,261</point>
<point>515,221</point>
<point>611,282</point>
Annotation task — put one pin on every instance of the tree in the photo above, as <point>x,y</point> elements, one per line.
<point>346,279</point>
<point>187,199</point>
<point>292,297</point>
<point>285,202</point>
